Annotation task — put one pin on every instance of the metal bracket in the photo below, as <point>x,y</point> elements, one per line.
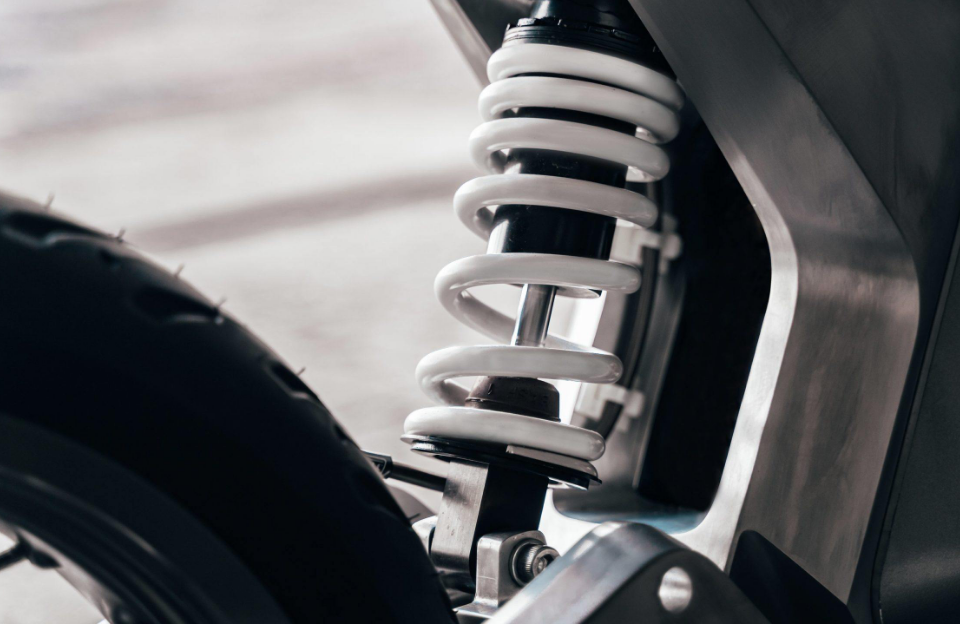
<point>497,572</point>
<point>593,398</point>
<point>630,240</point>
<point>626,572</point>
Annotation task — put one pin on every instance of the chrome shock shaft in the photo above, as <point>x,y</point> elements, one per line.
<point>533,315</point>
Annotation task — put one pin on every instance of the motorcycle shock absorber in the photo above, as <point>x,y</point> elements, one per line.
<point>578,99</point>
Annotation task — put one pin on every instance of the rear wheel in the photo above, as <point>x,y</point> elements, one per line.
<point>168,463</point>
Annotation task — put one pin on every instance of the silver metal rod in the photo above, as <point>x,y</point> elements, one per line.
<point>533,315</point>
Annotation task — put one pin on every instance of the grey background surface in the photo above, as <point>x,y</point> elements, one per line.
<point>297,157</point>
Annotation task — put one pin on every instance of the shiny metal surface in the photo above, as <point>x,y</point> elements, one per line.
<point>887,75</point>
<point>553,458</point>
<point>528,561</point>
<point>496,578</point>
<point>676,590</point>
<point>477,26</point>
<point>533,315</point>
<point>626,572</point>
<point>479,500</point>
<point>805,463</point>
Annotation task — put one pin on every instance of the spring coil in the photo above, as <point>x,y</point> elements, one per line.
<point>578,80</point>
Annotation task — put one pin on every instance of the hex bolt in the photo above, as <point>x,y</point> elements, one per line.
<point>530,559</point>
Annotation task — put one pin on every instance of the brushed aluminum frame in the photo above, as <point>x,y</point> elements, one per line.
<point>805,463</point>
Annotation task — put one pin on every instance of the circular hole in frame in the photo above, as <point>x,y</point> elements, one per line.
<point>676,590</point>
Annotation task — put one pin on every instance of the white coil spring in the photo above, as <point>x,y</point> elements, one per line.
<point>578,80</point>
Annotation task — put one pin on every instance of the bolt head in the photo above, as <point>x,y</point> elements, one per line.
<point>531,560</point>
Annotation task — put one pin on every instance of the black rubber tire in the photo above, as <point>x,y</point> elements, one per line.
<point>103,348</point>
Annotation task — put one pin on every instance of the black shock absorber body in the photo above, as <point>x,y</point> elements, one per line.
<point>607,26</point>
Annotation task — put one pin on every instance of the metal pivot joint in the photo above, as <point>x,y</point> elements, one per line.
<point>529,560</point>
<point>506,563</point>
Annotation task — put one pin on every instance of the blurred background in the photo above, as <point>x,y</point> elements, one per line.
<point>297,157</point>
